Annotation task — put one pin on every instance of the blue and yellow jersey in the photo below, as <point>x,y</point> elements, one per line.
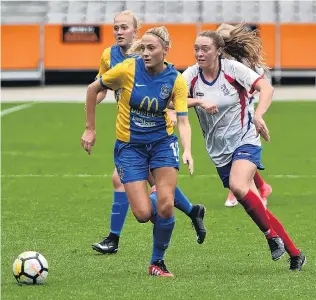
<point>142,109</point>
<point>110,58</point>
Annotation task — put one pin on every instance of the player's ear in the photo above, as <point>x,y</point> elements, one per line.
<point>165,50</point>
<point>135,34</point>
<point>219,51</point>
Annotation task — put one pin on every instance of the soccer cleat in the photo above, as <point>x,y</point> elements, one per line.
<point>276,246</point>
<point>297,262</point>
<point>231,200</point>
<point>265,192</point>
<point>107,246</point>
<point>197,216</point>
<point>158,268</point>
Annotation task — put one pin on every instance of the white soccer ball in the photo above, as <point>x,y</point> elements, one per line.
<point>30,267</point>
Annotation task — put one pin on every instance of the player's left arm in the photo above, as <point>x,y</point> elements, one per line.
<point>265,97</point>
<point>251,81</point>
<point>179,98</point>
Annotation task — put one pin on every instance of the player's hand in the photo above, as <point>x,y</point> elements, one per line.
<point>211,108</point>
<point>173,117</point>
<point>88,140</point>
<point>188,160</point>
<point>261,128</point>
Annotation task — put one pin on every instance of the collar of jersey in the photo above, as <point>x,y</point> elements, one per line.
<point>212,82</point>
<point>122,56</point>
<point>166,70</point>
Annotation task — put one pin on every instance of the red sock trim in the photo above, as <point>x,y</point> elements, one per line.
<point>259,181</point>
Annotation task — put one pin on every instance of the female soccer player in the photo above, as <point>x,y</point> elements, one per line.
<point>264,188</point>
<point>232,134</point>
<point>144,132</point>
<point>125,30</point>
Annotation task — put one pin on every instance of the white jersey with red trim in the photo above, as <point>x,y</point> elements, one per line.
<point>232,126</point>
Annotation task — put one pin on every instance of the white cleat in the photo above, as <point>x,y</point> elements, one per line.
<point>231,200</point>
<point>229,203</point>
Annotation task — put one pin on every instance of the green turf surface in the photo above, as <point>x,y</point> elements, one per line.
<point>60,214</point>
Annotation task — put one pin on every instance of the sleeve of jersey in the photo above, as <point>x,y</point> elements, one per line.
<point>114,78</point>
<point>104,62</point>
<point>246,77</point>
<point>180,95</point>
<point>187,75</point>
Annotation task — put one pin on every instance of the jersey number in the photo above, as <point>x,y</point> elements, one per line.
<point>175,149</point>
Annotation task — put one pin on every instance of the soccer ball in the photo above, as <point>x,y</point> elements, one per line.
<point>30,267</point>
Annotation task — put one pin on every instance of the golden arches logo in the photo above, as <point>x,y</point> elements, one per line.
<point>149,103</point>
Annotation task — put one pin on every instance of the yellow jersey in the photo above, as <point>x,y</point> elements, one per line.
<point>110,58</point>
<point>142,107</point>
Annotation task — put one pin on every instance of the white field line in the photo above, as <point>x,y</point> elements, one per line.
<point>78,94</point>
<point>15,108</point>
<point>277,176</point>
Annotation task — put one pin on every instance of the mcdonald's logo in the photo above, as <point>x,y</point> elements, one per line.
<point>149,103</point>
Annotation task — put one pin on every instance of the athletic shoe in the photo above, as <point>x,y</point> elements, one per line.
<point>158,268</point>
<point>276,246</point>
<point>107,246</point>
<point>265,192</point>
<point>297,262</point>
<point>231,200</point>
<point>197,216</point>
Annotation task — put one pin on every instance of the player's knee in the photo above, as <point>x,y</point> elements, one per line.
<point>142,215</point>
<point>238,188</point>
<point>117,184</point>
<point>165,209</point>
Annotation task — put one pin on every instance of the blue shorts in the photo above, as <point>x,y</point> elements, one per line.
<point>248,152</point>
<point>133,161</point>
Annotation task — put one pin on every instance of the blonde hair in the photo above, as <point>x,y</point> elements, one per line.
<point>161,32</point>
<point>240,44</point>
<point>136,22</point>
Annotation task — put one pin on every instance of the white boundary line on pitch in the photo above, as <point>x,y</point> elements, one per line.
<point>15,108</point>
<point>66,100</point>
<point>278,176</point>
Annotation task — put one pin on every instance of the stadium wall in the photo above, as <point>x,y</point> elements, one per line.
<point>21,48</point>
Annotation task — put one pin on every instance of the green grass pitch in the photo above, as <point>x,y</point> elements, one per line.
<point>60,214</point>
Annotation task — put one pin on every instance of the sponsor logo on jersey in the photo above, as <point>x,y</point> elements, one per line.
<point>141,122</point>
<point>150,103</point>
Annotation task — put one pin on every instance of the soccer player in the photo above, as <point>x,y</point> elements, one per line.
<point>144,132</point>
<point>222,78</point>
<point>264,188</point>
<point>125,30</point>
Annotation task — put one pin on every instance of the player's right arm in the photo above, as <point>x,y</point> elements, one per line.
<point>189,74</point>
<point>113,79</point>
<point>104,67</point>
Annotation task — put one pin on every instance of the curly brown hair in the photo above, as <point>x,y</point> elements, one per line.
<point>240,44</point>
